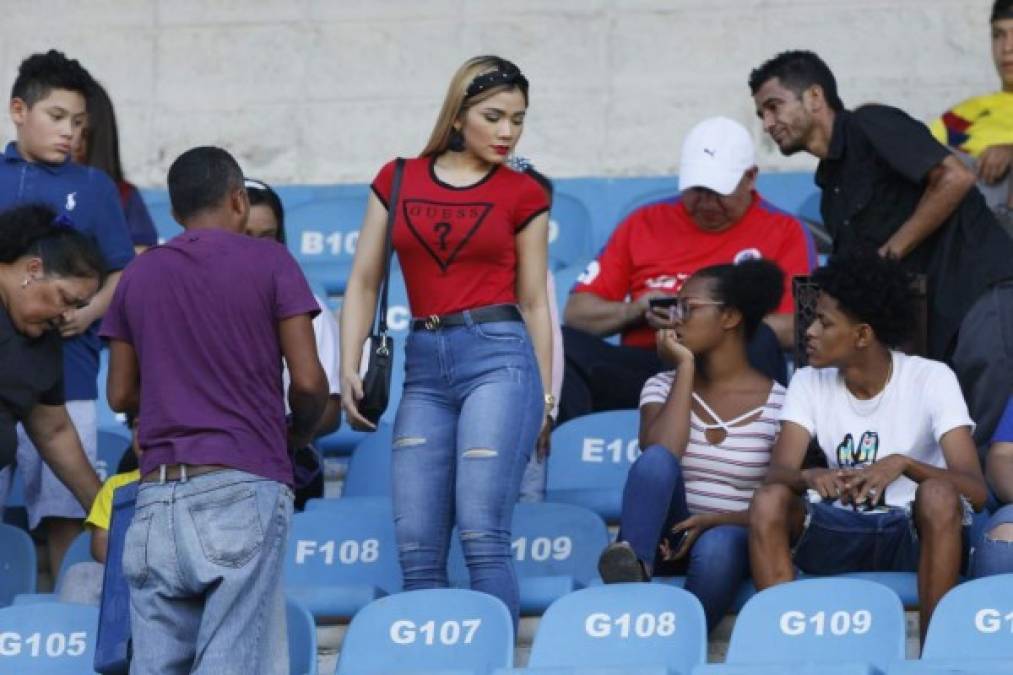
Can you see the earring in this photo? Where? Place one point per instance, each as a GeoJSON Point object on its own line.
{"type": "Point", "coordinates": [456, 141]}
{"type": "Point", "coordinates": [24, 284]}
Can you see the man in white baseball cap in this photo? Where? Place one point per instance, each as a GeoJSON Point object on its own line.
{"type": "Point", "coordinates": [717, 218]}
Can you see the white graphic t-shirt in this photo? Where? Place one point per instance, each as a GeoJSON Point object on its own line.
{"type": "Point", "coordinates": [920, 403]}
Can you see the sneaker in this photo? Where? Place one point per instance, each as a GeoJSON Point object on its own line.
{"type": "Point", "coordinates": [618, 563]}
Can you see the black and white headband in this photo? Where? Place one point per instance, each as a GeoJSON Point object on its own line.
{"type": "Point", "coordinates": [505, 75]}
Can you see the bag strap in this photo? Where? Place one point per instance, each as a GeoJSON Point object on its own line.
{"type": "Point", "coordinates": [388, 253]}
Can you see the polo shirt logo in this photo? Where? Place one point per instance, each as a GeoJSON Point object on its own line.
{"type": "Point", "coordinates": [71, 202]}
{"type": "Point", "coordinates": [444, 228]}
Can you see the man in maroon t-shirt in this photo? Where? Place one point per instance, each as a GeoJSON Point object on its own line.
{"type": "Point", "coordinates": [197, 330]}
{"type": "Point", "coordinates": [718, 219]}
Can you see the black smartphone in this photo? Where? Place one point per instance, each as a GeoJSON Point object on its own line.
{"type": "Point", "coordinates": [663, 302]}
{"type": "Point", "coordinates": [675, 539]}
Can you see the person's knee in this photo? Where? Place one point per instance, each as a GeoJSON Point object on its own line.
{"type": "Point", "coordinates": [1002, 532]}
{"type": "Point", "coordinates": [655, 463]}
{"type": "Point", "coordinates": [937, 505]}
{"type": "Point", "coordinates": [721, 543]}
{"type": "Point", "coordinates": [769, 507]}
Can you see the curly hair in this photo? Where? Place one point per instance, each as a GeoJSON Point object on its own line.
{"type": "Point", "coordinates": [753, 287]}
{"type": "Point", "coordinates": [872, 289]}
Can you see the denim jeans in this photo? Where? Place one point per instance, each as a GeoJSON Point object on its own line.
{"type": "Point", "coordinates": [203, 560]}
{"type": "Point", "coordinates": [993, 556]}
{"type": "Point", "coordinates": [654, 499]}
{"type": "Point", "coordinates": [466, 426]}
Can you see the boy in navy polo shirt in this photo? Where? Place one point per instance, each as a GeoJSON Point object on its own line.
{"type": "Point", "coordinates": [47, 106]}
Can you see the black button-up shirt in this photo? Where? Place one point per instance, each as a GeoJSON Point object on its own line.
{"type": "Point", "coordinates": [872, 179]}
{"type": "Point", "coordinates": [31, 372]}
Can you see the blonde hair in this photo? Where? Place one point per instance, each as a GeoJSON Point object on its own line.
{"type": "Point", "coordinates": [457, 102]}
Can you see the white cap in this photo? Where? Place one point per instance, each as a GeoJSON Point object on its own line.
{"type": "Point", "coordinates": [715, 154]}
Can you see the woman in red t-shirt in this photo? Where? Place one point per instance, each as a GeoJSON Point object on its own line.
{"type": "Point", "coordinates": [471, 236]}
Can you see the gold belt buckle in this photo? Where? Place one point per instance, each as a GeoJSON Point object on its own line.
{"type": "Point", "coordinates": [433, 322]}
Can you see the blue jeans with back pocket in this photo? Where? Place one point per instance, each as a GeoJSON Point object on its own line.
{"type": "Point", "coordinates": [467, 423]}
{"type": "Point", "coordinates": [203, 559]}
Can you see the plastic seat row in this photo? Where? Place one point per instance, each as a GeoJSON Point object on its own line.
{"type": "Point", "coordinates": [59, 639]}
{"type": "Point", "coordinates": [826, 626]}
{"type": "Point", "coordinates": [342, 554]}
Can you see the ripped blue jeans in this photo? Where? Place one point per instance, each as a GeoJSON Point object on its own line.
{"type": "Point", "coordinates": [467, 424]}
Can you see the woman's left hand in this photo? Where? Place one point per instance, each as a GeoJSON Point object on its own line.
{"type": "Point", "coordinates": [693, 526]}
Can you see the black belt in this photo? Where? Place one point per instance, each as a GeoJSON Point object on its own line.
{"type": "Point", "coordinates": [478, 315]}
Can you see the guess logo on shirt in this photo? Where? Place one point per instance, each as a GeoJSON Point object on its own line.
{"type": "Point", "coordinates": [444, 229]}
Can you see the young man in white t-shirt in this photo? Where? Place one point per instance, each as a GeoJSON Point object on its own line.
{"type": "Point", "coordinates": [903, 471]}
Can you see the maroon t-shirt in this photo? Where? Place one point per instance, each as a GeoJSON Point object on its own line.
{"type": "Point", "coordinates": [202, 313]}
{"type": "Point", "coordinates": [457, 245]}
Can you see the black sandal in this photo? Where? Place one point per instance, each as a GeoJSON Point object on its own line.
{"type": "Point", "coordinates": [618, 564]}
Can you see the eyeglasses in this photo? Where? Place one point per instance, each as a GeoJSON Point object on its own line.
{"type": "Point", "coordinates": [685, 306]}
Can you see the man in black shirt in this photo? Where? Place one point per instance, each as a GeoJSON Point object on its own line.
{"type": "Point", "coordinates": [888, 184]}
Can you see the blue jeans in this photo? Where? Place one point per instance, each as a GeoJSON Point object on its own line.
{"type": "Point", "coordinates": [203, 560]}
{"type": "Point", "coordinates": [471, 411]}
{"type": "Point", "coordinates": [654, 499]}
{"type": "Point", "coordinates": [993, 556]}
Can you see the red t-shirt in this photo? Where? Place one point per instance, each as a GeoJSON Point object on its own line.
{"type": "Point", "coordinates": [658, 247]}
{"type": "Point", "coordinates": [456, 244]}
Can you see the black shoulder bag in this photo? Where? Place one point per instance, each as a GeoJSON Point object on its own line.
{"type": "Point", "coordinates": [378, 350]}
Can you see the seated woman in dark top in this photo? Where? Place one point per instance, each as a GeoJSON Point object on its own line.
{"type": "Point", "coordinates": [47, 269]}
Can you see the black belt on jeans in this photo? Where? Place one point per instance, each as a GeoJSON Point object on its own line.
{"type": "Point", "coordinates": [478, 315]}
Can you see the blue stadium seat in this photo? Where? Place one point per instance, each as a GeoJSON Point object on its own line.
{"type": "Point", "coordinates": [79, 551]}
{"type": "Point", "coordinates": [832, 625]}
{"type": "Point", "coordinates": [160, 209]}
{"type": "Point", "coordinates": [18, 563]}
{"type": "Point", "coordinates": [623, 629]}
{"type": "Point", "coordinates": [971, 631]}
{"type": "Point", "coordinates": [437, 631]}
{"type": "Point", "coordinates": [59, 640]}
{"type": "Point", "coordinates": [112, 442]}
{"type": "Point", "coordinates": [569, 232]}
{"type": "Point", "coordinates": [342, 442]}
{"type": "Point", "coordinates": [369, 469]}
{"type": "Point", "coordinates": [302, 639]}
{"type": "Point", "coordinates": [590, 459]}
{"type": "Point", "coordinates": [326, 231]}
{"type": "Point", "coordinates": [564, 280]}
{"type": "Point", "coordinates": [555, 549]}
{"type": "Point", "coordinates": [341, 558]}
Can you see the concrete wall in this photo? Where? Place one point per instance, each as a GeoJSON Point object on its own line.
{"type": "Point", "coordinates": [324, 91]}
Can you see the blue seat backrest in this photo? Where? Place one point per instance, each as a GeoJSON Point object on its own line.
{"type": "Point", "coordinates": [564, 280]}
{"type": "Point", "coordinates": [569, 231]}
{"type": "Point", "coordinates": [18, 563]}
{"type": "Point", "coordinates": [53, 639]}
{"type": "Point", "coordinates": [160, 209]}
{"type": "Point", "coordinates": [826, 620]}
{"type": "Point", "coordinates": [113, 441]}
{"type": "Point", "coordinates": [973, 620]}
{"type": "Point", "coordinates": [349, 542]}
{"type": "Point", "coordinates": [622, 625]}
{"type": "Point", "coordinates": [326, 229]}
{"type": "Point", "coordinates": [302, 639]}
{"type": "Point", "coordinates": [369, 469]}
{"type": "Point", "coordinates": [79, 551]}
{"type": "Point", "coordinates": [547, 539]}
{"type": "Point", "coordinates": [593, 452]}
{"type": "Point", "coordinates": [428, 630]}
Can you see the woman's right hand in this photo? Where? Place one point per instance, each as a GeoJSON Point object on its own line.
{"type": "Point", "coordinates": [670, 350]}
{"type": "Point", "coordinates": [351, 394]}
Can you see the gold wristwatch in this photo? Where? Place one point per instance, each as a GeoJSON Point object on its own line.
{"type": "Point", "coordinates": [550, 403]}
